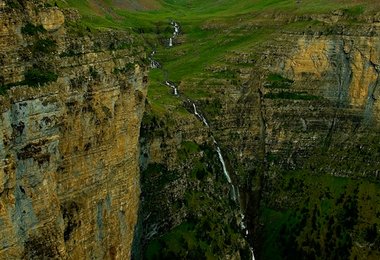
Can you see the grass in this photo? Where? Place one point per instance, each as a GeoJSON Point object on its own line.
{"type": "Point", "coordinates": [210, 29]}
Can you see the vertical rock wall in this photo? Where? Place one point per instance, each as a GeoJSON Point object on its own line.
{"type": "Point", "coordinates": [69, 175]}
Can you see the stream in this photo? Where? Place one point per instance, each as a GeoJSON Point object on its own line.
{"type": "Point", "coordinates": [153, 63]}
{"type": "Point", "coordinates": [234, 191]}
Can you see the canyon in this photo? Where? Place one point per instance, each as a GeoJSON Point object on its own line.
{"type": "Point", "coordinates": [217, 136]}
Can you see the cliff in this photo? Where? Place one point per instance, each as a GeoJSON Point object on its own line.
{"type": "Point", "coordinates": [69, 128]}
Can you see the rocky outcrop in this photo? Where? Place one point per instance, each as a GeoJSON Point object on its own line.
{"type": "Point", "coordinates": [69, 130]}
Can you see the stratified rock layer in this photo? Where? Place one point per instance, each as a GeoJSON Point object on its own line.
{"type": "Point", "coordinates": [69, 175]}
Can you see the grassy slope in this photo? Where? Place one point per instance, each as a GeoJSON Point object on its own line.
{"type": "Point", "coordinates": [201, 46]}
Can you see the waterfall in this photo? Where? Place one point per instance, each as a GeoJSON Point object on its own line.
{"type": "Point", "coordinates": [176, 31]}
{"type": "Point", "coordinates": [200, 116]}
{"type": "Point", "coordinates": [153, 63]}
{"type": "Point", "coordinates": [176, 28]}
{"type": "Point", "coordinates": [170, 84]}
{"type": "Point", "coordinates": [226, 174]}
{"type": "Point", "coordinates": [223, 165]}
{"type": "Point", "coordinates": [221, 159]}
{"type": "Point", "coordinates": [253, 255]}
{"type": "Point", "coordinates": [225, 171]}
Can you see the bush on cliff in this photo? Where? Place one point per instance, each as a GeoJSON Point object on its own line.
{"type": "Point", "coordinates": [36, 76]}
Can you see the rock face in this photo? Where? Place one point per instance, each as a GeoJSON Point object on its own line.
{"type": "Point", "coordinates": [52, 19]}
{"type": "Point", "coordinates": [69, 174]}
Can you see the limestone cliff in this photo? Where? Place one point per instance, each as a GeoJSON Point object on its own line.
{"type": "Point", "coordinates": [69, 127]}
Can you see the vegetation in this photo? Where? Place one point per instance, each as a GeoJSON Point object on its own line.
{"type": "Point", "coordinates": [209, 230]}
{"type": "Point", "coordinates": [324, 218]}
{"type": "Point", "coordinates": [277, 81]}
{"type": "Point", "coordinates": [31, 29]}
{"type": "Point", "coordinates": [44, 46]}
{"type": "Point", "coordinates": [290, 95]}
{"type": "Point", "coordinates": [35, 77]}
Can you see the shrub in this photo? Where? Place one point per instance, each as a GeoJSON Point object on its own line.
{"type": "Point", "coordinates": [45, 46]}
{"type": "Point", "coordinates": [30, 29]}
{"type": "Point", "coordinates": [278, 81]}
{"type": "Point", "coordinates": [94, 73]}
{"type": "Point", "coordinates": [35, 77]}
{"type": "Point", "coordinates": [291, 95]}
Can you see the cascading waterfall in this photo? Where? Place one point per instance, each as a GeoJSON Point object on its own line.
{"type": "Point", "coordinates": [221, 159]}
{"type": "Point", "coordinates": [218, 150]}
{"type": "Point", "coordinates": [175, 32]}
{"type": "Point", "coordinates": [225, 171]}
{"type": "Point", "coordinates": [153, 63]}
{"type": "Point", "coordinates": [200, 116]}
{"type": "Point", "coordinates": [174, 87]}
{"type": "Point", "coordinates": [176, 28]}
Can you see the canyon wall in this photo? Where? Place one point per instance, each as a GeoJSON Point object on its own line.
{"type": "Point", "coordinates": [296, 117]}
{"type": "Point", "coordinates": [69, 130]}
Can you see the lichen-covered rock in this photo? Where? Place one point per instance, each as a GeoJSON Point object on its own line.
{"type": "Point", "coordinates": [52, 19]}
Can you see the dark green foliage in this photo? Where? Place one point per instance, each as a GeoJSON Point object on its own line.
{"type": "Point", "coordinates": [212, 107]}
{"type": "Point", "coordinates": [201, 237]}
{"type": "Point", "coordinates": [291, 95]}
{"type": "Point", "coordinates": [209, 228]}
{"type": "Point", "coordinates": [31, 29]}
{"type": "Point", "coordinates": [326, 217]}
{"type": "Point", "coordinates": [127, 68]}
{"type": "Point", "coordinates": [3, 90]}
{"type": "Point", "coordinates": [278, 81]}
{"type": "Point", "coordinates": [44, 46]}
{"type": "Point", "coordinates": [94, 73]}
{"type": "Point", "coordinates": [36, 76]}
{"type": "Point", "coordinates": [13, 4]}
{"type": "Point", "coordinates": [187, 148]}
{"type": "Point", "coordinates": [156, 176]}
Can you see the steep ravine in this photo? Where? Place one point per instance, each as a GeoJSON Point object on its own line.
{"type": "Point", "coordinates": [155, 224]}
{"type": "Point", "coordinates": [69, 131]}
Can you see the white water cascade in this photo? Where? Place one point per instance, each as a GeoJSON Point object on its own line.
{"type": "Point", "coordinates": [225, 170]}
{"type": "Point", "coordinates": [221, 159]}
{"type": "Point", "coordinates": [226, 174]}
{"type": "Point", "coordinates": [174, 87]}
{"type": "Point", "coordinates": [176, 31]}
{"type": "Point", "coordinates": [176, 28]}
{"type": "Point", "coordinates": [153, 63]}
{"type": "Point", "coordinates": [200, 116]}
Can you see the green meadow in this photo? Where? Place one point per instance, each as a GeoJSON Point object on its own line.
{"type": "Point", "coordinates": [209, 31]}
